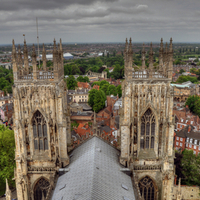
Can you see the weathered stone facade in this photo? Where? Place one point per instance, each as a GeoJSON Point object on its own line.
{"type": "Point", "coordinates": [146, 123]}
{"type": "Point", "coordinates": [41, 123]}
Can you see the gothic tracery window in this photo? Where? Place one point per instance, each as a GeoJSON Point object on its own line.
{"type": "Point", "coordinates": [41, 189]}
{"type": "Point", "coordinates": [39, 132]}
{"type": "Point", "coordinates": [147, 188]}
{"type": "Point", "coordinates": [147, 130]}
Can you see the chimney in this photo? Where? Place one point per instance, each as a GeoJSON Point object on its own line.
{"type": "Point", "coordinates": [189, 128]}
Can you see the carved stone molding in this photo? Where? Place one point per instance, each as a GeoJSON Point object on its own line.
{"type": "Point", "coordinates": [41, 169]}
{"type": "Point", "coordinates": [147, 167]}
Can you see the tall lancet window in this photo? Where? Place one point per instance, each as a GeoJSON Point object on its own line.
{"type": "Point", "coordinates": [39, 132]}
{"type": "Point", "coordinates": [147, 136]}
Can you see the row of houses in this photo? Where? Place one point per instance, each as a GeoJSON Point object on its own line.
{"type": "Point", "coordinates": [187, 130]}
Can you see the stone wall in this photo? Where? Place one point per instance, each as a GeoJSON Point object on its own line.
{"type": "Point", "coordinates": [187, 192]}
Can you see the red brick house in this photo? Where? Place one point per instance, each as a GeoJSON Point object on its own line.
{"type": "Point", "coordinates": [184, 117]}
{"type": "Point", "coordinates": [187, 138]}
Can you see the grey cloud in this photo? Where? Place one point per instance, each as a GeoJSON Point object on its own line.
{"type": "Point", "coordinates": [12, 5]}
{"type": "Point", "coordinates": [100, 20]}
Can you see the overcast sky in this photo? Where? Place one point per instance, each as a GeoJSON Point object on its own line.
{"type": "Point", "coordinates": [99, 21]}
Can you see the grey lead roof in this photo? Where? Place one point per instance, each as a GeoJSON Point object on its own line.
{"type": "Point", "coordinates": [94, 174]}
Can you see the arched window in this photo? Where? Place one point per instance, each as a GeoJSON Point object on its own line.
{"type": "Point", "coordinates": [147, 130]}
{"type": "Point", "coordinates": [41, 189]}
{"type": "Point", "coordinates": [39, 132]}
{"type": "Point", "coordinates": [147, 188]}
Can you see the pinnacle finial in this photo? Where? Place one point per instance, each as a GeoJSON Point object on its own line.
{"type": "Point", "coordinates": [8, 192]}
{"type": "Point", "coordinates": [33, 52]}
{"type": "Point", "coordinates": [170, 46]}
{"type": "Point", "coordinates": [151, 48]}
{"type": "Point", "coordinates": [166, 47]}
{"type": "Point", "coordinates": [43, 48]}
{"type": "Point", "coordinates": [130, 50]}
{"type": "Point", "coordinates": [143, 49]}
{"type": "Point", "coordinates": [13, 46]}
{"type": "Point", "coordinates": [7, 186]}
{"type": "Point", "coordinates": [60, 44]}
{"type": "Point", "coordinates": [126, 46]}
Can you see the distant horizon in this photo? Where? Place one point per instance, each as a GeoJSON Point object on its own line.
{"type": "Point", "coordinates": [48, 43]}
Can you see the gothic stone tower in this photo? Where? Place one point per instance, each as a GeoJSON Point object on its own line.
{"type": "Point", "coordinates": [146, 123]}
{"type": "Point", "coordinates": [41, 122]}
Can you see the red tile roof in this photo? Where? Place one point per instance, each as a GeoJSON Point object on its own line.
{"type": "Point", "coordinates": [96, 87]}
{"type": "Point", "coordinates": [83, 85]}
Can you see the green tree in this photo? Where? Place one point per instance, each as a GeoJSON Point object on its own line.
{"type": "Point", "coordinates": [99, 101]}
{"type": "Point", "coordinates": [193, 70]}
{"type": "Point", "coordinates": [191, 167]}
{"type": "Point", "coordinates": [7, 157]}
{"type": "Point", "coordinates": [183, 78]}
{"type": "Point", "coordinates": [112, 90]}
{"type": "Point", "coordinates": [75, 70]}
{"type": "Point", "coordinates": [74, 124]}
{"type": "Point", "coordinates": [105, 87]}
{"type": "Point", "coordinates": [181, 71]}
{"type": "Point", "coordinates": [96, 83]}
{"type": "Point", "coordinates": [86, 79]}
{"type": "Point", "coordinates": [71, 83]}
{"type": "Point", "coordinates": [92, 94]}
{"type": "Point", "coordinates": [192, 103]}
{"type": "Point", "coordinates": [80, 79]}
{"type": "Point", "coordinates": [103, 83]}
{"type": "Point", "coordinates": [119, 90]}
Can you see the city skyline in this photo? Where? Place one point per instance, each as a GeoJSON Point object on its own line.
{"type": "Point", "coordinates": [94, 21]}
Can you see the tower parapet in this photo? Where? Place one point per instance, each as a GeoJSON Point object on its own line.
{"type": "Point", "coordinates": [23, 71]}
{"type": "Point", "coordinates": [162, 72]}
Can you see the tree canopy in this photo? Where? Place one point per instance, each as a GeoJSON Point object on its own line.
{"type": "Point", "coordinates": [191, 167]}
{"type": "Point", "coordinates": [7, 157]}
{"type": "Point", "coordinates": [83, 79]}
{"type": "Point", "coordinates": [183, 78]}
{"type": "Point", "coordinates": [193, 103]}
{"type": "Point", "coordinates": [71, 83]}
{"type": "Point", "coordinates": [6, 80]}
{"type": "Point", "coordinates": [97, 99]}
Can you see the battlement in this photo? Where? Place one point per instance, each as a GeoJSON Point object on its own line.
{"type": "Point", "coordinates": [163, 71]}
{"type": "Point", "coordinates": [23, 71]}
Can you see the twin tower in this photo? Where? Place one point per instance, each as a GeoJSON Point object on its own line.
{"type": "Point", "coordinates": [41, 122]}
{"type": "Point", "coordinates": [146, 123]}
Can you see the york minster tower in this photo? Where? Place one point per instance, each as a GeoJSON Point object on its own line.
{"type": "Point", "coordinates": [41, 122]}
{"type": "Point", "coordinates": [146, 122]}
